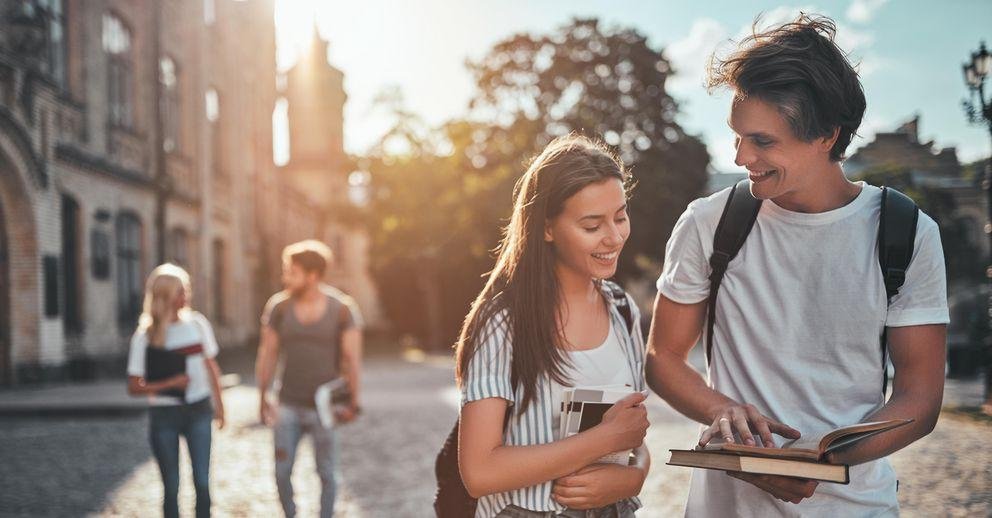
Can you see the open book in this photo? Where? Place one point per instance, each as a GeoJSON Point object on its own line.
{"type": "Point", "coordinates": [802, 457]}
{"type": "Point", "coordinates": [813, 447]}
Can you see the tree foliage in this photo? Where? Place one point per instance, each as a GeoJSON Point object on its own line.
{"type": "Point", "coordinates": [440, 201]}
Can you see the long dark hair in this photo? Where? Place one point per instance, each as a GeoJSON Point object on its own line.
{"type": "Point", "coordinates": [523, 282]}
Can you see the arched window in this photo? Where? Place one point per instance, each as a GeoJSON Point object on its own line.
{"type": "Point", "coordinates": [168, 77]}
{"type": "Point", "coordinates": [212, 107]}
{"type": "Point", "coordinates": [117, 46]}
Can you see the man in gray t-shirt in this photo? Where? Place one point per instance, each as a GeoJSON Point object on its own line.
{"type": "Point", "coordinates": [316, 330]}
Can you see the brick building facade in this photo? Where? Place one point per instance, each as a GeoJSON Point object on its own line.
{"type": "Point", "coordinates": [132, 133]}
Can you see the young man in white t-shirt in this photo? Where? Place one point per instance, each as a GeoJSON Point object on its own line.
{"type": "Point", "coordinates": [802, 306]}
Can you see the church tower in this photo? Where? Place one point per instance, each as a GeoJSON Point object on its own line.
{"type": "Point", "coordinates": [315, 93]}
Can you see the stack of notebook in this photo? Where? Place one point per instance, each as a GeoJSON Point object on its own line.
{"type": "Point", "coordinates": [583, 408]}
{"type": "Point", "coordinates": [162, 364]}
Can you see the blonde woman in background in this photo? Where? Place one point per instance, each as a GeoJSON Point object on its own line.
{"type": "Point", "coordinates": [180, 404]}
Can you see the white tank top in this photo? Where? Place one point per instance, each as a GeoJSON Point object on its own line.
{"type": "Point", "coordinates": [604, 364]}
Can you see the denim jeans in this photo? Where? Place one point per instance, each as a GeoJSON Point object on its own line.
{"type": "Point", "coordinates": [166, 424]}
{"type": "Point", "coordinates": [621, 509]}
{"type": "Point", "coordinates": [291, 423]}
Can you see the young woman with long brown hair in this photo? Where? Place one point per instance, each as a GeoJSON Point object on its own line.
{"type": "Point", "coordinates": [545, 321]}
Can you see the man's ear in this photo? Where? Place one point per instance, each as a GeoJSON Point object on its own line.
{"type": "Point", "coordinates": [827, 143]}
{"type": "Point", "coordinates": [548, 235]}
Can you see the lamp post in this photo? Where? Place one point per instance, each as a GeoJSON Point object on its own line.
{"type": "Point", "coordinates": [975, 73]}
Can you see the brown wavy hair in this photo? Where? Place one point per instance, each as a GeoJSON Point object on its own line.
{"type": "Point", "coordinates": [798, 68]}
{"type": "Point", "coordinates": [523, 283]}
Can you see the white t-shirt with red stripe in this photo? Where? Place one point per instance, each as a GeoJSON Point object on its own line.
{"type": "Point", "coordinates": [190, 330]}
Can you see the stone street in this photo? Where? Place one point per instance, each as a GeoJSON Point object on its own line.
{"type": "Point", "coordinates": [102, 466]}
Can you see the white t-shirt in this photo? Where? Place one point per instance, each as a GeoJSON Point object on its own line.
{"type": "Point", "coordinates": [605, 364]}
{"type": "Point", "coordinates": [192, 328]}
{"type": "Point", "coordinates": [799, 316]}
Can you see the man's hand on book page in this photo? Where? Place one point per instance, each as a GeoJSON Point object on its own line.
{"type": "Point", "coordinates": [746, 421]}
{"type": "Point", "coordinates": [598, 485]}
{"type": "Point", "coordinates": [786, 489]}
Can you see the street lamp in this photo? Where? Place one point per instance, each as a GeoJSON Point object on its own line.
{"type": "Point", "coordinates": [975, 73]}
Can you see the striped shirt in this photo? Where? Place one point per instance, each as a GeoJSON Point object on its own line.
{"type": "Point", "coordinates": [488, 376]}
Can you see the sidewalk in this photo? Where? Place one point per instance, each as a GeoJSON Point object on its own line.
{"type": "Point", "coordinates": [101, 397]}
{"type": "Point", "coordinates": [110, 397]}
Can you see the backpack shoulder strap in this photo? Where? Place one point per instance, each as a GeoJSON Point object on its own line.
{"type": "Point", "coordinates": [896, 238]}
{"type": "Point", "coordinates": [619, 297]}
{"type": "Point", "coordinates": [735, 224]}
{"type": "Point", "coordinates": [897, 219]}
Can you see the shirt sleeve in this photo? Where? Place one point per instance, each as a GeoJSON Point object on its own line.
{"type": "Point", "coordinates": [685, 277]}
{"type": "Point", "coordinates": [923, 297]}
{"type": "Point", "coordinates": [272, 313]}
{"type": "Point", "coordinates": [136, 354]}
{"type": "Point", "coordinates": [488, 372]}
{"type": "Point", "coordinates": [637, 337]}
{"type": "Point", "coordinates": [351, 316]}
{"type": "Point", "coordinates": [210, 346]}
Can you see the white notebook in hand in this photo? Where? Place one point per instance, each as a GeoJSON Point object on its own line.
{"type": "Point", "coordinates": [324, 401]}
{"type": "Point", "coordinates": [584, 407]}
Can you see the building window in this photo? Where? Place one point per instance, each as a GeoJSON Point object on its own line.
{"type": "Point", "coordinates": [209, 12]}
{"type": "Point", "coordinates": [168, 78]}
{"type": "Point", "coordinates": [50, 269]}
{"type": "Point", "coordinates": [72, 317]}
{"type": "Point", "coordinates": [128, 270]}
{"type": "Point", "coordinates": [220, 260]}
{"type": "Point", "coordinates": [212, 107]}
{"type": "Point", "coordinates": [117, 47]}
{"type": "Point", "coordinates": [54, 18]}
{"type": "Point", "coordinates": [179, 247]}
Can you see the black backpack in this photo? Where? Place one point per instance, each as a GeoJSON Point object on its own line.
{"type": "Point", "coordinates": [896, 238]}
{"type": "Point", "coordinates": [452, 499]}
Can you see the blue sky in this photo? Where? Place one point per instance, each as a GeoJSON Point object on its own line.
{"type": "Point", "coordinates": [910, 53]}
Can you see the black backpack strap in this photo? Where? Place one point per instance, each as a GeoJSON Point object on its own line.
{"type": "Point", "coordinates": [897, 221]}
{"type": "Point", "coordinates": [620, 301]}
{"type": "Point", "coordinates": [735, 224]}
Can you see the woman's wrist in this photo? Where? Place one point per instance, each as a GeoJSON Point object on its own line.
{"type": "Point", "coordinates": [602, 440]}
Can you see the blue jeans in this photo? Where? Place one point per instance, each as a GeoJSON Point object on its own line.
{"type": "Point", "coordinates": [291, 423]}
{"type": "Point", "coordinates": [166, 424]}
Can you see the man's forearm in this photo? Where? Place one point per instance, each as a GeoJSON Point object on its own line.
{"type": "Point", "coordinates": [682, 387]}
{"type": "Point", "coordinates": [264, 365]}
{"type": "Point", "coordinates": [352, 377]}
{"type": "Point", "coordinates": [924, 412]}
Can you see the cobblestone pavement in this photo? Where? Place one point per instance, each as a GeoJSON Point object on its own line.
{"type": "Point", "coordinates": [102, 466]}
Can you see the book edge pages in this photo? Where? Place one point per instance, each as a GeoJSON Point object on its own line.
{"type": "Point", "coordinates": [760, 451]}
{"type": "Point", "coordinates": [827, 443]}
{"type": "Point", "coordinates": [742, 465]}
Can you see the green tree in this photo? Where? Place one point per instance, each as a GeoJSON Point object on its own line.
{"type": "Point", "coordinates": [606, 83]}
{"type": "Point", "coordinates": [441, 196]}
